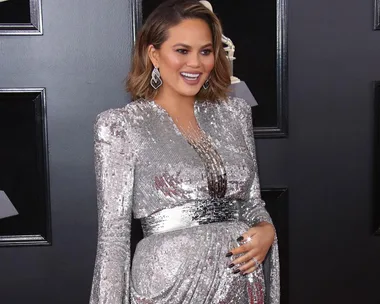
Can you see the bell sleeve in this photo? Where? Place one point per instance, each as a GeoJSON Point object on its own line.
{"type": "Point", "coordinates": [253, 209]}
{"type": "Point", "coordinates": [114, 171]}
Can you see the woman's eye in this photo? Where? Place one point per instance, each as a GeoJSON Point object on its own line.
{"type": "Point", "coordinates": [206, 52]}
{"type": "Point", "coordinates": [182, 51]}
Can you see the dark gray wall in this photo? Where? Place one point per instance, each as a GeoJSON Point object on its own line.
{"type": "Point", "coordinates": [82, 60]}
{"type": "Point", "coordinates": [333, 58]}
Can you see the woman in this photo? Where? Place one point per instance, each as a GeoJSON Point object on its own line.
{"type": "Point", "coordinates": [182, 157]}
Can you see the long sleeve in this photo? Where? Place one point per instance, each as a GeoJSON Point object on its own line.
{"type": "Point", "coordinates": [253, 211]}
{"type": "Point", "coordinates": [114, 171]}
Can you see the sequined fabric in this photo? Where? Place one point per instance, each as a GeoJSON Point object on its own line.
{"type": "Point", "coordinates": [145, 165]}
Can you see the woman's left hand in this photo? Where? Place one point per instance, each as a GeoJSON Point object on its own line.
{"type": "Point", "coordinates": [262, 237]}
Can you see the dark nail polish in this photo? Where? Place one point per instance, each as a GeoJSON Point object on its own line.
{"type": "Point", "coordinates": [236, 271]}
{"type": "Point", "coordinates": [240, 238]}
{"type": "Point", "coordinates": [231, 265]}
{"type": "Point", "coordinates": [229, 254]}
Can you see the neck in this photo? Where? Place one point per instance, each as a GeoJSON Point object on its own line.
{"type": "Point", "coordinates": [174, 102]}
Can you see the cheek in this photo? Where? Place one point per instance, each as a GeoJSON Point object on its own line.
{"type": "Point", "coordinates": [173, 63]}
{"type": "Point", "coordinates": [209, 64]}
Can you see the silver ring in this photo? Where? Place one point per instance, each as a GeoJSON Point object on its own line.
{"type": "Point", "coordinates": [257, 263]}
{"type": "Point", "coordinates": [248, 239]}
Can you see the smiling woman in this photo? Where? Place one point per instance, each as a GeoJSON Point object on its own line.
{"type": "Point", "coordinates": [187, 65]}
{"type": "Point", "coordinates": [258, 30]}
{"type": "Point", "coordinates": [163, 24]}
{"type": "Point", "coordinates": [182, 157]}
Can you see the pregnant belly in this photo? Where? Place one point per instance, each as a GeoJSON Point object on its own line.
{"type": "Point", "coordinates": [163, 262]}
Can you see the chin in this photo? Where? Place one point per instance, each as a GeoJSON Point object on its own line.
{"type": "Point", "coordinates": [189, 92]}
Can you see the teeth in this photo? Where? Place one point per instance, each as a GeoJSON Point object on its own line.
{"type": "Point", "coordinates": [190, 75]}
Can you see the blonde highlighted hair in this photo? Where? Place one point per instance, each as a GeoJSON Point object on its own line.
{"type": "Point", "coordinates": [155, 32]}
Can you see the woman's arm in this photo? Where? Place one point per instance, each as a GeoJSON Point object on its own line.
{"type": "Point", "coordinates": [263, 236]}
{"type": "Point", "coordinates": [114, 180]}
{"type": "Point", "coordinates": [253, 210]}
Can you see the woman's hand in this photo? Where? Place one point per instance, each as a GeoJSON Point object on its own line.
{"type": "Point", "coordinates": [262, 237]}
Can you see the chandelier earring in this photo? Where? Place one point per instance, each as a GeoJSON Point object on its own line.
{"type": "Point", "coordinates": [156, 80]}
{"type": "Point", "coordinates": [206, 85]}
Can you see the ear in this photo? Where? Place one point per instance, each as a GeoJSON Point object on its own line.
{"type": "Point", "coordinates": [154, 56]}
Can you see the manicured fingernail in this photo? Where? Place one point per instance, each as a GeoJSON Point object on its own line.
{"type": "Point", "coordinates": [231, 265]}
{"type": "Point", "coordinates": [244, 274]}
{"type": "Point", "coordinates": [229, 254]}
{"type": "Point", "coordinates": [236, 271]}
{"type": "Point", "coordinates": [240, 238]}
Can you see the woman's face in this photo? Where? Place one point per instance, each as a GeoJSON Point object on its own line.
{"type": "Point", "coordinates": [186, 58]}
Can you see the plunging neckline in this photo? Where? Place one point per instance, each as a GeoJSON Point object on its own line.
{"type": "Point", "coordinates": [206, 151]}
{"type": "Point", "coordinates": [174, 125]}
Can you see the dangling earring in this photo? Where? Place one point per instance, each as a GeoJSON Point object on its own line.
{"type": "Point", "coordinates": [206, 84]}
{"type": "Point", "coordinates": [156, 80]}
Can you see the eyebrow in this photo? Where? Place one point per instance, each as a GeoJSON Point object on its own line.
{"type": "Point", "coordinates": [189, 47]}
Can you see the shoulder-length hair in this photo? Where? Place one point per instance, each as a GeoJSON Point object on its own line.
{"type": "Point", "coordinates": [155, 32]}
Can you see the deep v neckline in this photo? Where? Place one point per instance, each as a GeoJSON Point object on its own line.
{"type": "Point", "coordinates": [196, 111]}
{"type": "Point", "coordinates": [207, 153]}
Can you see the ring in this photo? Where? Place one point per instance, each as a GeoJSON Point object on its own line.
{"type": "Point", "coordinates": [257, 263]}
{"type": "Point", "coordinates": [248, 239]}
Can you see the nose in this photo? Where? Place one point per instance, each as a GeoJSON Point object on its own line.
{"type": "Point", "coordinates": [193, 60]}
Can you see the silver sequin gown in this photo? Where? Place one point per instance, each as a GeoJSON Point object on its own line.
{"type": "Point", "coordinates": [145, 165]}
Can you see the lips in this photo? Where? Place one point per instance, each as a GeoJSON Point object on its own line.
{"type": "Point", "coordinates": [191, 78]}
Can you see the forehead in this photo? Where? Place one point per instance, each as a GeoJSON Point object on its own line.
{"type": "Point", "coordinates": [190, 31]}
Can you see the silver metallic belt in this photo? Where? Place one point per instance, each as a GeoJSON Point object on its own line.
{"type": "Point", "coordinates": [191, 214]}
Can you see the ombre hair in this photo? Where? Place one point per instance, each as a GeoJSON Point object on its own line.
{"type": "Point", "coordinates": [155, 32]}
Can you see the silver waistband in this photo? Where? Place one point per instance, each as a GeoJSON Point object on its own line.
{"type": "Point", "coordinates": [191, 214]}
